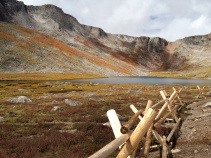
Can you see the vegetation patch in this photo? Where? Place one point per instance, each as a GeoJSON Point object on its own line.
{"type": "Point", "coordinates": [29, 129]}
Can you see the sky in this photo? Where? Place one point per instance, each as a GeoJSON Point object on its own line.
{"type": "Point", "coordinates": [169, 19]}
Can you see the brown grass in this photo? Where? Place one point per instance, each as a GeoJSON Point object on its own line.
{"type": "Point", "coordinates": [24, 132]}
{"type": "Point", "coordinates": [45, 76]}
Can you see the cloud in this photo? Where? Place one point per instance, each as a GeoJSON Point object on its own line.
{"type": "Point", "coordinates": [169, 19]}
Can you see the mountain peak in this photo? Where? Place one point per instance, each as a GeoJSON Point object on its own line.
{"type": "Point", "coordinates": [103, 53]}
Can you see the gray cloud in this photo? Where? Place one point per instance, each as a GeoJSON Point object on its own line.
{"type": "Point", "coordinates": [169, 19]}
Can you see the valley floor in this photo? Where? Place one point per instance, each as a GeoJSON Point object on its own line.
{"type": "Point", "coordinates": [34, 128]}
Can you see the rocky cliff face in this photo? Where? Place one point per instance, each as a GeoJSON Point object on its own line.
{"type": "Point", "coordinates": [141, 53]}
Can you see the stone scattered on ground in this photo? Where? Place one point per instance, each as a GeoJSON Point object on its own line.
{"type": "Point", "coordinates": [21, 99]}
{"type": "Point", "coordinates": [72, 131]}
{"type": "Point", "coordinates": [97, 99]}
{"type": "Point", "coordinates": [56, 108]}
{"type": "Point", "coordinates": [91, 95]}
{"type": "Point", "coordinates": [134, 91]}
{"type": "Point", "coordinates": [21, 90]}
{"type": "Point", "coordinates": [72, 103]}
{"type": "Point", "coordinates": [1, 118]}
{"type": "Point", "coordinates": [55, 102]}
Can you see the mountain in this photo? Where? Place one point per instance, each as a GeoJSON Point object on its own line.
{"type": "Point", "coordinates": [45, 39]}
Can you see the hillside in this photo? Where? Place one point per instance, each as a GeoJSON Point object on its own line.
{"type": "Point", "coordinates": [60, 43]}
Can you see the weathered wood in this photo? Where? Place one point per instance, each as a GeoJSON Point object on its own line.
{"type": "Point", "coordinates": [165, 105]}
{"type": "Point", "coordinates": [149, 105]}
{"type": "Point", "coordinates": [164, 148]}
{"type": "Point", "coordinates": [148, 140]}
{"type": "Point", "coordinates": [159, 103]}
{"type": "Point", "coordinates": [173, 130]}
{"type": "Point", "coordinates": [126, 127]}
{"type": "Point", "coordinates": [200, 91]}
{"type": "Point", "coordinates": [138, 134]}
{"type": "Point", "coordinates": [156, 135]}
{"type": "Point", "coordinates": [169, 107]}
{"type": "Point", "coordinates": [178, 95]}
{"type": "Point", "coordinates": [111, 147]}
{"type": "Point", "coordinates": [133, 108]}
{"type": "Point", "coordinates": [149, 132]}
{"type": "Point", "coordinates": [115, 123]}
{"type": "Point", "coordinates": [160, 120]}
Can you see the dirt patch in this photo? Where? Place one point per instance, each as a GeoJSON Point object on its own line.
{"type": "Point", "coordinates": [195, 132]}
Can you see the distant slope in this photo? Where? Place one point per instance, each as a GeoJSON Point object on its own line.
{"type": "Point", "coordinates": [67, 45]}
{"type": "Point", "coordinates": [25, 50]}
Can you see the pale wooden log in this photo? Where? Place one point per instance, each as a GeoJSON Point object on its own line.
{"type": "Point", "coordinates": [173, 130]}
{"type": "Point", "coordinates": [166, 94]}
{"type": "Point", "coordinates": [163, 94]}
{"type": "Point", "coordinates": [165, 105]}
{"type": "Point", "coordinates": [160, 120]}
{"type": "Point", "coordinates": [149, 132]}
{"type": "Point", "coordinates": [159, 103]}
{"type": "Point", "coordinates": [149, 105]}
{"type": "Point", "coordinates": [200, 91]}
{"type": "Point", "coordinates": [133, 108]}
{"type": "Point", "coordinates": [164, 148]}
{"type": "Point", "coordinates": [126, 127]}
{"type": "Point", "coordinates": [169, 106]}
{"type": "Point", "coordinates": [178, 92]}
{"type": "Point", "coordinates": [156, 135]}
{"type": "Point", "coordinates": [111, 147]}
{"type": "Point", "coordinates": [148, 140]}
{"type": "Point", "coordinates": [178, 95]}
{"type": "Point", "coordinates": [138, 134]}
{"type": "Point", "coordinates": [115, 123]}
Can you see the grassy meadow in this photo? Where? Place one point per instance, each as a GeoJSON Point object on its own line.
{"type": "Point", "coordinates": [34, 130]}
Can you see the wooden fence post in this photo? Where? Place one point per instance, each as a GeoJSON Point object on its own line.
{"type": "Point", "coordinates": [126, 127]}
{"type": "Point", "coordinates": [138, 134]}
{"type": "Point", "coordinates": [111, 147]}
{"type": "Point", "coordinates": [169, 106]}
{"type": "Point", "coordinates": [164, 148]}
{"type": "Point", "coordinates": [165, 105]}
{"type": "Point", "coordinates": [115, 123]}
{"type": "Point", "coordinates": [200, 91]}
{"type": "Point", "coordinates": [133, 108]}
{"type": "Point", "coordinates": [173, 130]}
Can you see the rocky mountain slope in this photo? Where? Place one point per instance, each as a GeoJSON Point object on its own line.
{"type": "Point", "coordinates": [63, 44]}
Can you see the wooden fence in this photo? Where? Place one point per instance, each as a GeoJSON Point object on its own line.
{"type": "Point", "coordinates": [151, 118]}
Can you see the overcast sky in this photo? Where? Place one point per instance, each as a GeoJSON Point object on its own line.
{"type": "Point", "coordinates": [169, 19]}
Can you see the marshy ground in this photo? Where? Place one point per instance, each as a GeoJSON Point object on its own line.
{"type": "Point", "coordinates": [34, 130]}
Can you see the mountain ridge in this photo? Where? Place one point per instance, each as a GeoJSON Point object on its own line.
{"type": "Point", "coordinates": [140, 54]}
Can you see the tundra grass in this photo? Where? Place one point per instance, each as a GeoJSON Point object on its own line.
{"type": "Point", "coordinates": [45, 76]}
{"type": "Point", "coordinates": [198, 73]}
{"type": "Point", "coordinates": [30, 129]}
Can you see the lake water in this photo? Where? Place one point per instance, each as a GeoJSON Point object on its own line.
{"type": "Point", "coordinates": [131, 80]}
{"type": "Point", "coordinates": [144, 80]}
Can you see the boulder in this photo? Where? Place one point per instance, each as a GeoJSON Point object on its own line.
{"type": "Point", "coordinates": [56, 108]}
{"type": "Point", "coordinates": [21, 99]}
{"type": "Point", "coordinates": [72, 103]}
